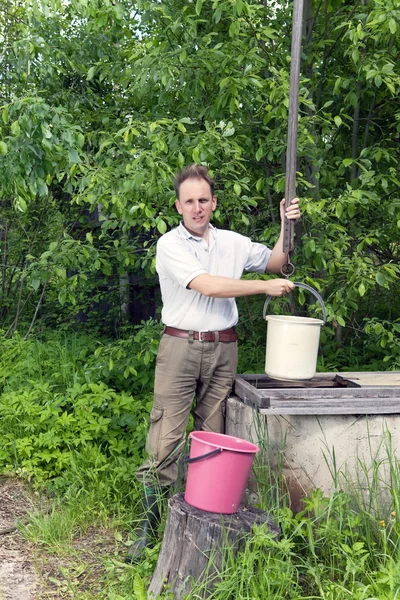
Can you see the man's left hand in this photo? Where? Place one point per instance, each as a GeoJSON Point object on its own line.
{"type": "Point", "coordinates": [293, 212]}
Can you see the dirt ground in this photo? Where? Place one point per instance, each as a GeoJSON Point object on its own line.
{"type": "Point", "coordinates": [18, 580]}
{"type": "Point", "coordinates": [31, 573]}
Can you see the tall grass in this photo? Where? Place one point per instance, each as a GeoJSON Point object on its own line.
{"type": "Point", "coordinates": [343, 546]}
{"type": "Point", "coordinates": [338, 547]}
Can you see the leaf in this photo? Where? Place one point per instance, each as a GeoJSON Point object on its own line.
{"type": "Point", "coordinates": [35, 284]}
{"type": "Point", "coordinates": [378, 80]}
{"type": "Point", "coordinates": [392, 26]}
{"type": "Point", "coordinates": [390, 86]}
{"type": "Point", "coordinates": [46, 132]}
{"type": "Point", "coordinates": [15, 128]}
{"type": "Point", "coordinates": [351, 210]}
{"type": "Point", "coordinates": [139, 588]}
{"type": "Point", "coordinates": [91, 73]}
{"type": "Point", "coordinates": [196, 155]}
{"type": "Point", "coordinates": [199, 6]}
{"type": "Point", "coordinates": [80, 138]}
{"type": "Point", "coordinates": [4, 115]}
{"type": "Point", "coordinates": [62, 297]}
{"type": "Point", "coordinates": [248, 69]}
{"type": "Point", "coordinates": [228, 132]}
{"type": "Point", "coordinates": [380, 279]}
{"type": "Point", "coordinates": [21, 204]}
{"type": "Point", "coordinates": [237, 189]}
{"type": "Point", "coordinates": [338, 121]}
{"type": "Point", "coordinates": [338, 209]}
{"type": "Point", "coordinates": [162, 226]}
{"type": "Point", "coordinates": [3, 148]}
{"type": "Point", "coordinates": [259, 153]}
{"type": "Point", "coordinates": [361, 289]}
{"type": "Point", "coordinates": [182, 56]}
{"type": "Point", "coordinates": [73, 156]}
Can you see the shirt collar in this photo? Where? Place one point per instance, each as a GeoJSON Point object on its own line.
{"type": "Point", "coordinates": [186, 234]}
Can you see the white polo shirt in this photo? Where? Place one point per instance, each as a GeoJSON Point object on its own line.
{"type": "Point", "coordinates": [182, 256]}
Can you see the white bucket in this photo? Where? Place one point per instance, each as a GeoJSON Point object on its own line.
{"type": "Point", "coordinates": [292, 344]}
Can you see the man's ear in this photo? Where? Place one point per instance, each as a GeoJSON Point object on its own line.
{"type": "Point", "coordinates": [214, 200]}
{"type": "Point", "coordinates": [178, 206]}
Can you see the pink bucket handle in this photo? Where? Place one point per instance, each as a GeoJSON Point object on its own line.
{"type": "Point", "coordinates": [196, 458]}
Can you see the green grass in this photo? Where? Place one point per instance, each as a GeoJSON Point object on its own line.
{"type": "Point", "coordinates": [338, 547]}
{"type": "Point", "coordinates": [342, 546]}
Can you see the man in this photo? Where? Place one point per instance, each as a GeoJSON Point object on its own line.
{"type": "Point", "coordinates": [199, 268]}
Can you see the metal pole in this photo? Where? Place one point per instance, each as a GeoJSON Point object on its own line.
{"type": "Point", "coordinates": [291, 153]}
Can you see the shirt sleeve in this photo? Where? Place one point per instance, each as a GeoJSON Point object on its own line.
{"type": "Point", "coordinates": [258, 258]}
{"type": "Point", "coordinates": [175, 261]}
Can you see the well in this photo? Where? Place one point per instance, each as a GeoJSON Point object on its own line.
{"type": "Point", "coordinates": [341, 423]}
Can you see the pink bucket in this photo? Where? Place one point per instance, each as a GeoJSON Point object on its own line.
{"type": "Point", "coordinates": [219, 466]}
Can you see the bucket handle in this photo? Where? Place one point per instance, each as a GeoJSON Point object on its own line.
{"type": "Point", "coordinates": [309, 289]}
{"type": "Point", "coordinates": [196, 458]}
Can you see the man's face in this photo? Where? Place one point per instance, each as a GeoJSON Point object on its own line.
{"type": "Point", "coordinates": [196, 205]}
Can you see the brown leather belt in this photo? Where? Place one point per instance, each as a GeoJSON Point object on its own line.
{"type": "Point", "coordinates": [227, 335]}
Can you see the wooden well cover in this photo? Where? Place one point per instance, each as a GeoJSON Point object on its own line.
{"type": "Point", "coordinates": [327, 393]}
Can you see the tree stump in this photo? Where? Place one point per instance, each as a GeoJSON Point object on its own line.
{"type": "Point", "coordinates": [192, 537]}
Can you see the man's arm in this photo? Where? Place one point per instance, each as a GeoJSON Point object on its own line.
{"type": "Point", "coordinates": [215, 286]}
{"type": "Point", "coordinates": [225, 287]}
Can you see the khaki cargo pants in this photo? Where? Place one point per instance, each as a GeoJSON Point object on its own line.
{"type": "Point", "coordinates": [185, 370]}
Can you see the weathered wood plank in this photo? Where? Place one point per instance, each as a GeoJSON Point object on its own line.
{"type": "Point", "coordinates": [347, 379]}
{"type": "Point", "coordinates": [359, 406]}
{"type": "Point", "coordinates": [374, 379]}
{"type": "Point", "coordinates": [348, 410]}
{"type": "Point", "coordinates": [192, 537]}
{"type": "Point", "coordinates": [353, 399]}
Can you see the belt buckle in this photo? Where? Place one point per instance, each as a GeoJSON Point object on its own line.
{"type": "Point", "coordinates": [201, 333]}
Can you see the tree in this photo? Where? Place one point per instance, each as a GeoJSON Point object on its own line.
{"type": "Point", "coordinates": [153, 86]}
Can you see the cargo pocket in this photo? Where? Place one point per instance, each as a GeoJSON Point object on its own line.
{"type": "Point", "coordinates": [163, 353]}
{"type": "Point", "coordinates": [154, 437]}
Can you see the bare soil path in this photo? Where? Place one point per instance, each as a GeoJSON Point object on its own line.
{"type": "Point", "coordinates": [29, 572]}
{"type": "Point", "coordinates": [18, 580]}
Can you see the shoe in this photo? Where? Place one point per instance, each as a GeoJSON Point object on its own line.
{"type": "Point", "coordinates": [147, 528]}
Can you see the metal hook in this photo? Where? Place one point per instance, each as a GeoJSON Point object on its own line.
{"type": "Point", "coordinates": [287, 269]}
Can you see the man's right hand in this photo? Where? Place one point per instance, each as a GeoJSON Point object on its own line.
{"type": "Point", "coordinates": [278, 287]}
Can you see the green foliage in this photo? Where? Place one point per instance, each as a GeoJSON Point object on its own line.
{"type": "Point", "coordinates": [103, 103]}
{"type": "Point", "coordinates": [326, 551]}
{"type": "Point", "coordinates": [59, 399]}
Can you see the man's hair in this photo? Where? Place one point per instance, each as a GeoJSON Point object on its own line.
{"type": "Point", "coordinates": [193, 172]}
